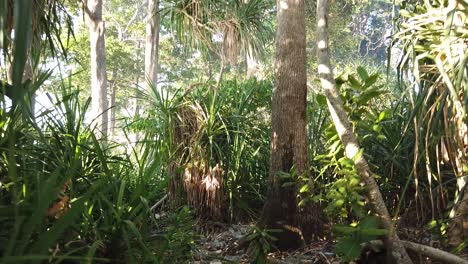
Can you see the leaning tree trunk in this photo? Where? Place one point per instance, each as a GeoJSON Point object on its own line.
{"type": "Point", "coordinates": [152, 42]}
{"type": "Point", "coordinates": [346, 134]}
{"type": "Point", "coordinates": [99, 101]}
{"type": "Point", "coordinates": [288, 121]}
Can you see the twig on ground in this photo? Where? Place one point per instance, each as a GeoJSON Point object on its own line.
{"type": "Point", "coordinates": [158, 203]}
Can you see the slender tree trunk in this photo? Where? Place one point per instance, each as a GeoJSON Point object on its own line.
{"type": "Point", "coordinates": [99, 101]}
{"type": "Point", "coordinates": [112, 106]}
{"type": "Point", "coordinates": [346, 134]}
{"type": "Point", "coordinates": [152, 42]}
{"type": "Point", "coordinates": [137, 101]}
{"type": "Point", "coordinates": [288, 138]}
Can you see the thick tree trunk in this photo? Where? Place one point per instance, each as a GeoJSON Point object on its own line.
{"type": "Point", "coordinates": [288, 138]}
{"type": "Point", "coordinates": [99, 102]}
{"type": "Point", "coordinates": [152, 42]}
{"type": "Point", "coordinates": [346, 134]}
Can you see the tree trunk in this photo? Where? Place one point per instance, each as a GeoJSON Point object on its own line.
{"type": "Point", "coordinates": [346, 134]}
{"type": "Point", "coordinates": [152, 42]}
{"type": "Point", "coordinates": [112, 109]}
{"type": "Point", "coordinates": [136, 135]}
{"type": "Point", "coordinates": [99, 102]}
{"type": "Point", "coordinates": [288, 120]}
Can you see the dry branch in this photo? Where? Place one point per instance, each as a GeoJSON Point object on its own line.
{"type": "Point", "coordinates": [433, 253]}
{"type": "Point", "coordinates": [159, 202]}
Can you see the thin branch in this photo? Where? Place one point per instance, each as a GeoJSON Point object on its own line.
{"type": "Point", "coordinates": [134, 17]}
{"type": "Point", "coordinates": [159, 202]}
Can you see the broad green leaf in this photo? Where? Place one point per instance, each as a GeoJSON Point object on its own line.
{"type": "Point", "coordinates": [354, 83]}
{"type": "Point", "coordinates": [371, 80]}
{"type": "Point", "coordinates": [362, 73]}
{"type": "Point", "coordinates": [348, 248]}
{"type": "Point", "coordinates": [373, 232]}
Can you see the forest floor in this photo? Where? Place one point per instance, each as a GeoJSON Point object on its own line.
{"type": "Point", "coordinates": [222, 246]}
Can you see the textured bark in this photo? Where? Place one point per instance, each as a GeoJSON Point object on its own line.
{"type": "Point", "coordinates": [99, 102]}
{"type": "Point", "coordinates": [288, 121]}
{"type": "Point", "coordinates": [346, 134]}
{"type": "Point", "coordinates": [152, 42]}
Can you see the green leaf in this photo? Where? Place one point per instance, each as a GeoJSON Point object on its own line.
{"type": "Point", "coordinates": [354, 83]}
{"type": "Point", "coordinates": [321, 100]}
{"type": "Point", "coordinates": [304, 188]}
{"type": "Point", "coordinates": [377, 128]}
{"type": "Point", "coordinates": [371, 80]}
{"type": "Point", "coordinates": [369, 95]}
{"type": "Point", "coordinates": [383, 114]}
{"type": "Point", "coordinates": [373, 233]}
{"type": "Point", "coordinates": [284, 175]}
{"type": "Point", "coordinates": [362, 73]}
{"type": "Point", "coordinates": [339, 203]}
{"type": "Point", "coordinates": [348, 248]}
{"type": "Point", "coordinates": [370, 222]}
{"type": "Point", "coordinates": [120, 196]}
{"type": "Point", "coordinates": [344, 229]}
{"type": "Point", "coordinates": [22, 24]}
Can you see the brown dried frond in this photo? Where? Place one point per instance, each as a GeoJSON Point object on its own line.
{"type": "Point", "coordinates": [202, 184]}
{"type": "Point", "coordinates": [231, 40]}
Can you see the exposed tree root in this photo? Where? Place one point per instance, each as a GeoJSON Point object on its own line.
{"type": "Point", "coordinates": [431, 252]}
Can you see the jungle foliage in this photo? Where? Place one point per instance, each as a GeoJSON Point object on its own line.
{"type": "Point", "coordinates": [201, 134]}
